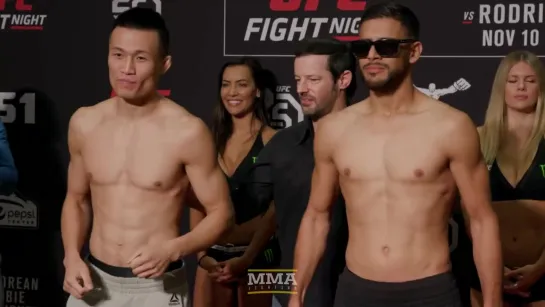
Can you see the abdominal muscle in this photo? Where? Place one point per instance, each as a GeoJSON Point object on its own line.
{"type": "Point", "coordinates": [126, 218]}
{"type": "Point", "coordinates": [397, 234]}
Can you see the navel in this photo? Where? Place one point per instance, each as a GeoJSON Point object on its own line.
{"type": "Point", "coordinates": [157, 184]}
{"type": "Point", "coordinates": [346, 172]}
{"type": "Point", "coordinates": [418, 173]}
{"type": "Point", "coordinates": [385, 250]}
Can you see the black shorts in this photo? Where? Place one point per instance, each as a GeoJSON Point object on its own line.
{"type": "Point", "coordinates": [434, 291]}
{"type": "Point", "coordinates": [537, 291]}
{"type": "Point", "coordinates": [268, 258]}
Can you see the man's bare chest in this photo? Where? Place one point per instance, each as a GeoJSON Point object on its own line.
{"type": "Point", "coordinates": [145, 159]}
{"type": "Point", "coordinates": [410, 154]}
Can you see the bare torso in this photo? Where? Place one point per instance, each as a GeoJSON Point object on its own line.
{"type": "Point", "coordinates": [136, 177]}
{"type": "Point", "coordinates": [522, 222]}
{"type": "Point", "coordinates": [399, 192]}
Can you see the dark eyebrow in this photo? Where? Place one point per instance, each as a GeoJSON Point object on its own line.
{"type": "Point", "coordinates": [135, 52]}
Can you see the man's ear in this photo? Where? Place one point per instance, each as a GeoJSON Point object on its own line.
{"type": "Point", "coordinates": [345, 79]}
{"type": "Point", "coordinates": [167, 62]}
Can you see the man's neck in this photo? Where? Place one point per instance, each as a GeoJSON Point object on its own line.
{"type": "Point", "coordinates": [247, 124]}
{"type": "Point", "coordinates": [339, 104]}
{"type": "Point", "coordinates": [519, 125]}
{"type": "Point", "coordinates": [132, 110]}
{"type": "Point", "coordinates": [396, 101]}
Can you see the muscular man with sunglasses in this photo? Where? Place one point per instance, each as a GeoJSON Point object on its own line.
{"type": "Point", "coordinates": [400, 157]}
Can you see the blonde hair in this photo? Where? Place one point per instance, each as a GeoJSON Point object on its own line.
{"type": "Point", "coordinates": [495, 119]}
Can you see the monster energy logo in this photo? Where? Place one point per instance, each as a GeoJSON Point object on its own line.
{"type": "Point", "coordinates": [269, 256]}
{"type": "Point", "coordinates": [254, 159]}
{"type": "Point", "coordinates": [542, 166]}
{"type": "Point", "coordinates": [271, 282]}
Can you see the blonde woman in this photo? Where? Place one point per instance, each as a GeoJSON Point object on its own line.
{"type": "Point", "coordinates": [513, 145]}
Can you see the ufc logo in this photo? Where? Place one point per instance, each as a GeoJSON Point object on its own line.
{"type": "Point", "coordinates": [165, 93]}
{"type": "Point", "coordinates": [312, 5]}
{"type": "Point", "coordinates": [20, 5]}
{"type": "Point", "coordinates": [120, 6]}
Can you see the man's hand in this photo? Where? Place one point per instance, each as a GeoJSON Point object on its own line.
{"type": "Point", "coordinates": [77, 279]}
{"type": "Point", "coordinates": [151, 261]}
{"type": "Point", "coordinates": [524, 277]}
{"type": "Point", "coordinates": [211, 266]}
{"type": "Point", "coordinates": [233, 268]}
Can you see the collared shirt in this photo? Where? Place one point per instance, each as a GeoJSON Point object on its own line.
{"type": "Point", "coordinates": [286, 165]}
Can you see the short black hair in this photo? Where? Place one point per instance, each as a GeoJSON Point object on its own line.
{"type": "Point", "coordinates": [145, 19]}
{"type": "Point", "coordinates": [340, 58]}
{"type": "Point", "coordinates": [394, 11]}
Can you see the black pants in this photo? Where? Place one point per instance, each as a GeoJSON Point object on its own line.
{"type": "Point", "coordinates": [434, 291]}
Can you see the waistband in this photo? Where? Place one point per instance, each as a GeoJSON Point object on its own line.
{"type": "Point", "coordinates": [126, 272]}
{"type": "Point", "coordinates": [176, 277]}
{"type": "Point", "coordinates": [428, 287]}
{"type": "Point", "coordinates": [230, 248]}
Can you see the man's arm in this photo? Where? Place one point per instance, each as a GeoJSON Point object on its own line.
{"type": "Point", "coordinates": [76, 210]}
{"type": "Point", "coordinates": [8, 172]}
{"type": "Point", "coordinates": [471, 176]}
{"type": "Point", "coordinates": [311, 240]}
{"type": "Point", "coordinates": [210, 188]}
{"type": "Point", "coordinates": [196, 214]}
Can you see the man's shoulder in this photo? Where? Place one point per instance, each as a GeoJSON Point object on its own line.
{"type": "Point", "coordinates": [334, 124]}
{"type": "Point", "coordinates": [452, 120]}
{"type": "Point", "coordinates": [185, 128]}
{"type": "Point", "coordinates": [178, 117]}
{"type": "Point", "coordinates": [87, 117]}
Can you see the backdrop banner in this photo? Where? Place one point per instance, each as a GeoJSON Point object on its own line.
{"type": "Point", "coordinates": [54, 60]}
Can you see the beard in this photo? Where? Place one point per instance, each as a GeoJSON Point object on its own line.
{"type": "Point", "coordinates": [388, 84]}
{"type": "Point", "coordinates": [321, 107]}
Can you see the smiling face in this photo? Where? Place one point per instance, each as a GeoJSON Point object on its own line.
{"type": "Point", "coordinates": [238, 90]}
{"type": "Point", "coordinates": [135, 62]}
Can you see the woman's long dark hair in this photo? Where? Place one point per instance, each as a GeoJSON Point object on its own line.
{"type": "Point", "coordinates": [222, 126]}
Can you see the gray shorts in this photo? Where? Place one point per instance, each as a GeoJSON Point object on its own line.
{"type": "Point", "coordinates": [170, 290]}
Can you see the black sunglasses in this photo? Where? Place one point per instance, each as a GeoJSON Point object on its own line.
{"type": "Point", "coordinates": [386, 47]}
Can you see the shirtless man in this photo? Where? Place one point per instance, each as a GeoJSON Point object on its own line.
{"type": "Point", "coordinates": [134, 155]}
{"type": "Point", "coordinates": [399, 157]}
